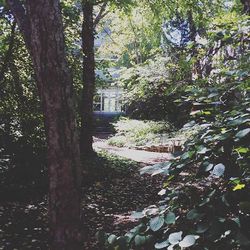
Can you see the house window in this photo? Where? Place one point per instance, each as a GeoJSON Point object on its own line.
{"type": "Point", "coordinates": [108, 100]}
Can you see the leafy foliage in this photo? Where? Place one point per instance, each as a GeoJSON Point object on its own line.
{"type": "Point", "coordinates": [137, 132]}
{"type": "Point", "coordinates": [205, 201]}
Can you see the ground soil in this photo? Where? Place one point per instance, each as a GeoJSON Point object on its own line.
{"type": "Point", "coordinates": [107, 205]}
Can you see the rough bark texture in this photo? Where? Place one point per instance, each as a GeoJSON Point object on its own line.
{"type": "Point", "coordinates": [88, 29]}
{"type": "Point", "coordinates": [45, 42]}
{"type": "Point", "coordinates": [246, 5]}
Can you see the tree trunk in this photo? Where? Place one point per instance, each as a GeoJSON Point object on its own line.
{"type": "Point", "coordinates": [45, 42]}
{"type": "Point", "coordinates": [88, 29]}
{"type": "Point", "coordinates": [246, 6]}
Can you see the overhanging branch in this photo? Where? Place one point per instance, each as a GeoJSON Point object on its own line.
{"type": "Point", "coordinates": [22, 20]}
{"type": "Point", "coordinates": [102, 13]}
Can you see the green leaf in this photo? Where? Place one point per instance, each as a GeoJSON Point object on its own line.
{"type": "Point", "coordinates": [101, 236]}
{"type": "Point", "coordinates": [162, 192]}
{"type": "Point", "coordinates": [202, 150]}
{"type": "Point", "coordinates": [187, 155]}
{"type": "Point", "coordinates": [243, 133]}
{"type": "Point", "coordinates": [170, 218]}
{"type": "Point", "coordinates": [212, 95]}
{"type": "Point", "coordinates": [218, 170]}
{"type": "Point", "coordinates": [162, 245]}
{"type": "Point", "coordinates": [209, 167]}
{"type": "Point", "coordinates": [137, 215]}
{"type": "Point", "coordinates": [151, 210]}
{"type": "Point", "coordinates": [204, 202]}
{"type": "Point", "coordinates": [193, 214]}
{"type": "Point", "coordinates": [2, 3]}
{"type": "Point", "coordinates": [202, 228]}
{"type": "Point", "coordinates": [242, 150]}
{"type": "Point", "coordinates": [140, 240]}
{"type": "Point", "coordinates": [188, 241]}
{"type": "Point", "coordinates": [175, 238]}
{"type": "Point", "coordinates": [238, 121]}
{"type": "Point", "coordinates": [237, 221]}
{"type": "Point", "coordinates": [239, 187]}
{"type": "Point", "coordinates": [156, 223]}
{"type": "Point", "coordinates": [223, 198]}
{"type": "Point", "coordinates": [206, 113]}
{"type": "Point", "coordinates": [122, 242]}
{"type": "Point", "coordinates": [156, 172]}
{"type": "Point", "coordinates": [112, 239]}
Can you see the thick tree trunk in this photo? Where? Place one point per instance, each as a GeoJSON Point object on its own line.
{"type": "Point", "coordinates": [246, 6]}
{"type": "Point", "coordinates": [45, 43]}
{"type": "Point", "coordinates": [88, 29]}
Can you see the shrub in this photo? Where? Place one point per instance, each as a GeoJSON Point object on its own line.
{"type": "Point", "coordinates": [137, 132]}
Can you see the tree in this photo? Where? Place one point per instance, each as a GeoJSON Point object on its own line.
{"type": "Point", "coordinates": [41, 25]}
{"type": "Point", "coordinates": [90, 21]}
{"type": "Point", "coordinates": [246, 6]}
{"type": "Point", "coordinates": [88, 37]}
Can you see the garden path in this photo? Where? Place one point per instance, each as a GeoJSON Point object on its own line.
{"type": "Point", "coordinates": [141, 156]}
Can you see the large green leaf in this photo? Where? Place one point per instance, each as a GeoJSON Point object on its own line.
{"type": "Point", "coordinates": [112, 239]}
{"type": "Point", "coordinates": [170, 218]}
{"type": "Point", "coordinates": [238, 121]}
{"type": "Point", "coordinates": [242, 150]}
{"type": "Point", "coordinates": [175, 238]}
{"type": "Point", "coordinates": [137, 215]}
{"type": "Point", "coordinates": [202, 150]}
{"type": "Point", "coordinates": [219, 170]}
{"type": "Point", "coordinates": [140, 240]}
{"type": "Point", "coordinates": [209, 167]}
{"type": "Point", "coordinates": [156, 223]}
{"type": "Point", "coordinates": [243, 133]}
{"type": "Point", "coordinates": [193, 214]}
{"type": "Point", "coordinates": [188, 241]}
{"type": "Point", "coordinates": [162, 244]}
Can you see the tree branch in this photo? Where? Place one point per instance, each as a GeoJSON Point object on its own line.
{"type": "Point", "coordinates": [22, 20]}
{"type": "Point", "coordinates": [102, 13]}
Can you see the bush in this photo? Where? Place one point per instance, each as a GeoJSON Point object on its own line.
{"type": "Point", "coordinates": [137, 133]}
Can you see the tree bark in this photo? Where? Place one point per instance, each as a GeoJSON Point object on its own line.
{"type": "Point", "coordinates": [246, 6]}
{"type": "Point", "coordinates": [88, 29]}
{"type": "Point", "coordinates": [41, 25]}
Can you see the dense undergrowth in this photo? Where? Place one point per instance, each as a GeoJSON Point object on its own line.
{"type": "Point", "coordinates": [131, 133]}
{"type": "Point", "coordinates": [205, 197]}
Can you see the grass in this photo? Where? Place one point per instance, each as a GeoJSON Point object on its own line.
{"type": "Point", "coordinates": [104, 165]}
